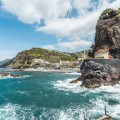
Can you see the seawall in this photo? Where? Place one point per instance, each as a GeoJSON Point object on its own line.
{"type": "Point", "coordinates": [112, 62]}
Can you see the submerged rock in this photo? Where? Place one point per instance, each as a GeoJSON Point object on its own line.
{"type": "Point", "coordinates": [5, 74]}
{"type": "Point", "coordinates": [95, 75]}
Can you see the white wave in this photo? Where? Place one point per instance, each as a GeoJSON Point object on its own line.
{"type": "Point", "coordinates": [25, 76]}
{"type": "Point", "coordinates": [112, 110]}
{"type": "Point", "coordinates": [71, 112]}
{"type": "Point", "coordinates": [65, 85]}
{"type": "Point", "coordinates": [110, 88]}
{"type": "Point", "coordinates": [23, 92]}
{"type": "Point", "coordinates": [9, 77]}
{"type": "Point", "coordinates": [10, 112]}
{"type": "Point", "coordinates": [6, 77]}
{"type": "Point", "coordinates": [73, 73]}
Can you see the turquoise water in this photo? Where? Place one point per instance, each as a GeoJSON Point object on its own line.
{"type": "Point", "coordinates": [50, 96]}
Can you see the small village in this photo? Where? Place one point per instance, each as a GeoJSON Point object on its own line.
{"type": "Point", "coordinates": [100, 54]}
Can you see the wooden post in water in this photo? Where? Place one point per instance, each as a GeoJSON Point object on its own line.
{"type": "Point", "coordinates": [84, 116]}
{"type": "Point", "coordinates": [106, 116]}
{"type": "Point", "coordinates": [105, 110]}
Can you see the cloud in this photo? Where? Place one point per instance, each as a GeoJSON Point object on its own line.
{"type": "Point", "coordinates": [73, 45]}
{"type": "Point", "coordinates": [72, 30]}
{"type": "Point", "coordinates": [49, 47]}
{"type": "Point", "coordinates": [33, 11]}
{"type": "Point", "coordinates": [70, 46]}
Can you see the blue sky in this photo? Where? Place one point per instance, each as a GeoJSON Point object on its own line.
{"type": "Point", "coordinates": [65, 25]}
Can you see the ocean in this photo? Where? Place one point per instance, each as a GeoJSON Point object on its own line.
{"type": "Point", "coordinates": [50, 96]}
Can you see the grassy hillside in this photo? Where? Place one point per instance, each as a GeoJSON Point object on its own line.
{"type": "Point", "coordinates": [51, 56]}
{"type": "Point", "coordinates": [25, 58]}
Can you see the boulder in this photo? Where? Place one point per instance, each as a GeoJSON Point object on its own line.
{"type": "Point", "coordinates": [95, 75]}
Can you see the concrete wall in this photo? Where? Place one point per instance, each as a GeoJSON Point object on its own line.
{"type": "Point", "coordinates": [112, 62]}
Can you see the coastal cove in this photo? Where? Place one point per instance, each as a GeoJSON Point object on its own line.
{"type": "Point", "coordinates": [60, 60]}
{"type": "Point", "coordinates": [50, 96]}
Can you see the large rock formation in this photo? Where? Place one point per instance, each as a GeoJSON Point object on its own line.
{"type": "Point", "coordinates": [108, 32]}
{"type": "Point", "coordinates": [95, 75]}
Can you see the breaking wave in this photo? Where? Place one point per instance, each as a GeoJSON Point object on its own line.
{"type": "Point", "coordinates": [73, 73]}
{"type": "Point", "coordinates": [105, 96]}
{"type": "Point", "coordinates": [9, 77]}
{"type": "Point", "coordinates": [10, 112]}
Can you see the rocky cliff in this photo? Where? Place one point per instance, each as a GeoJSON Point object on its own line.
{"type": "Point", "coordinates": [108, 32]}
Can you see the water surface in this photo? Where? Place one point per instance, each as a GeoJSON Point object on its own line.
{"type": "Point", "coordinates": [50, 96]}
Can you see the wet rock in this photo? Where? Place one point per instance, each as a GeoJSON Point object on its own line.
{"type": "Point", "coordinates": [95, 75]}
{"type": "Point", "coordinates": [105, 118]}
{"type": "Point", "coordinates": [77, 80]}
{"type": "Point", "coordinates": [5, 74]}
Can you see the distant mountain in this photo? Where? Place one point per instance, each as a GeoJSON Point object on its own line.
{"type": "Point", "coordinates": [5, 63]}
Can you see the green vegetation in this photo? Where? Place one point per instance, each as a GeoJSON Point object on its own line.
{"type": "Point", "coordinates": [51, 56]}
{"type": "Point", "coordinates": [109, 13]}
{"type": "Point", "coordinates": [106, 11]}
{"type": "Point", "coordinates": [25, 58]}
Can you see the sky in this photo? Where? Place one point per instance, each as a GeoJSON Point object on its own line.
{"type": "Point", "coordinates": [64, 25]}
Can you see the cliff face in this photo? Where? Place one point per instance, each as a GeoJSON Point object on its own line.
{"type": "Point", "coordinates": [108, 32]}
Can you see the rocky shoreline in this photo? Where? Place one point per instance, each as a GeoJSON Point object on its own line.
{"type": "Point", "coordinates": [95, 75]}
{"type": "Point", "coordinates": [6, 74]}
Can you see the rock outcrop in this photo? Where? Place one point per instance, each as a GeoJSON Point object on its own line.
{"type": "Point", "coordinates": [105, 118]}
{"type": "Point", "coordinates": [5, 74]}
{"type": "Point", "coordinates": [95, 75]}
{"type": "Point", "coordinates": [108, 33]}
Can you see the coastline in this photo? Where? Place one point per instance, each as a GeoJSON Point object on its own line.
{"type": "Point", "coordinates": [63, 70]}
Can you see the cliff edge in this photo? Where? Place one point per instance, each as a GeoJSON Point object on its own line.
{"type": "Point", "coordinates": [108, 33]}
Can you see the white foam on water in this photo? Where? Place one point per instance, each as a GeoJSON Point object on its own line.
{"type": "Point", "coordinates": [17, 112]}
{"type": "Point", "coordinates": [25, 76]}
{"type": "Point", "coordinates": [112, 110]}
{"type": "Point", "coordinates": [109, 93]}
{"type": "Point", "coordinates": [109, 89]}
{"type": "Point", "coordinates": [6, 77]}
{"type": "Point", "coordinates": [65, 85]}
{"type": "Point", "coordinates": [23, 92]}
{"type": "Point", "coordinates": [61, 114]}
{"type": "Point", "coordinates": [73, 73]}
{"type": "Point", "coordinates": [10, 77]}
